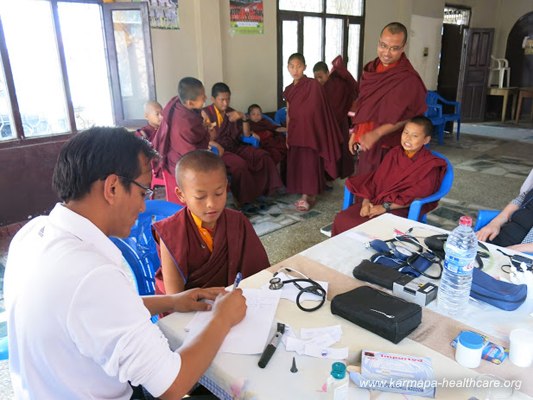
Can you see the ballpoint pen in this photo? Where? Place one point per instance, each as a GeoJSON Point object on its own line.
{"type": "Point", "coordinates": [238, 279]}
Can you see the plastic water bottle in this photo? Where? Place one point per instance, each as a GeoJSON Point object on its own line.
{"type": "Point", "coordinates": [460, 254]}
{"type": "Point", "coordinates": [338, 382]}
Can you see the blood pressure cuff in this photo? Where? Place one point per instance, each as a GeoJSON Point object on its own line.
{"type": "Point", "coordinates": [387, 316]}
{"type": "Point", "coordinates": [504, 295]}
{"type": "Point", "coordinates": [376, 273]}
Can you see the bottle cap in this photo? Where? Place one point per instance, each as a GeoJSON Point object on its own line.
{"type": "Point", "coordinates": [471, 340]}
{"type": "Point", "coordinates": [338, 370]}
{"type": "Point", "coordinates": [465, 220]}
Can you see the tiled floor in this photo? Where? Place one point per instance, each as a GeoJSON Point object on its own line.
{"type": "Point", "coordinates": [489, 171]}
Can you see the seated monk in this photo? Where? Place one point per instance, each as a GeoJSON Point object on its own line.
{"type": "Point", "coordinates": [271, 136]}
{"type": "Point", "coordinates": [153, 112]}
{"type": "Point", "coordinates": [408, 172]}
{"type": "Point", "coordinates": [253, 172]}
{"type": "Point", "coordinates": [205, 244]}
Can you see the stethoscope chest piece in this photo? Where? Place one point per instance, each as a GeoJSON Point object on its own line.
{"type": "Point", "coordinates": [275, 283]}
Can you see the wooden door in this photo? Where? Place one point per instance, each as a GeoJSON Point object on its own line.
{"type": "Point", "coordinates": [474, 73]}
{"type": "Point", "coordinates": [450, 60]}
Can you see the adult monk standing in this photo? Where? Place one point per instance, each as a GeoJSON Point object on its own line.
{"type": "Point", "coordinates": [341, 91]}
{"type": "Point", "coordinates": [182, 129]}
{"type": "Point", "coordinates": [390, 93]}
{"type": "Point", "coordinates": [253, 172]}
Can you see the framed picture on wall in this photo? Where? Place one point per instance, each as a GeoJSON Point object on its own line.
{"type": "Point", "coordinates": [164, 14]}
{"type": "Point", "coordinates": [246, 16]}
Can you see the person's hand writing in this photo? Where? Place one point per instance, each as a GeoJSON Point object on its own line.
{"type": "Point", "coordinates": [368, 140]}
{"type": "Point", "coordinates": [230, 307]}
{"type": "Point", "coordinates": [488, 232]}
{"type": "Point", "coordinates": [376, 210]}
{"type": "Point", "coordinates": [191, 300]}
{"type": "Point", "coordinates": [235, 115]}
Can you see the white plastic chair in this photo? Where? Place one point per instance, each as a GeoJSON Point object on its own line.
{"type": "Point", "coordinates": [500, 66]}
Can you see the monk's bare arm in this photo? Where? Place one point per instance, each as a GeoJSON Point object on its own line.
{"type": "Point", "coordinates": [171, 275]}
{"type": "Point", "coordinates": [368, 140]}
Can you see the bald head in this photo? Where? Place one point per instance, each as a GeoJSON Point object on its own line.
{"type": "Point", "coordinates": [396, 28]}
{"type": "Point", "coordinates": [198, 161]}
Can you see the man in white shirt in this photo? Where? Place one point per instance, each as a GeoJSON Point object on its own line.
{"type": "Point", "coordinates": [76, 326]}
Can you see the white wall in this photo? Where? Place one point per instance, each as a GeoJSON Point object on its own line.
{"type": "Point", "coordinates": [204, 47]}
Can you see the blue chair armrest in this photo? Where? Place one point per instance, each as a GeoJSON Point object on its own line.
{"type": "Point", "coordinates": [445, 187]}
{"type": "Point", "coordinates": [281, 116]}
{"type": "Point", "coordinates": [250, 140]}
{"type": "Point", "coordinates": [484, 217]}
{"type": "Point", "coordinates": [349, 198]}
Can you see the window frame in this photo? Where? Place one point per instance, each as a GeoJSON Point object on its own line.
{"type": "Point", "coordinates": [298, 16]}
{"type": "Point", "coordinates": [112, 67]}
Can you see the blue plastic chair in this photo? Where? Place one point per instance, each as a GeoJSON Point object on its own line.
{"type": "Point", "coordinates": [280, 117]}
{"type": "Point", "coordinates": [434, 113]}
{"type": "Point", "coordinates": [484, 217]}
{"type": "Point", "coordinates": [4, 351]}
{"type": "Point", "coordinates": [416, 206]}
{"type": "Point", "coordinates": [433, 99]}
{"type": "Point", "coordinates": [251, 141]}
{"type": "Point", "coordinates": [139, 248]}
{"type": "Point", "coordinates": [270, 119]}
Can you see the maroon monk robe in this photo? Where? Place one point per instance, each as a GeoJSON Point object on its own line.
{"type": "Point", "coordinates": [146, 132]}
{"type": "Point", "coordinates": [314, 138]}
{"type": "Point", "coordinates": [388, 97]}
{"type": "Point", "coordinates": [272, 141]}
{"type": "Point", "coordinates": [181, 131]}
{"type": "Point", "coordinates": [253, 172]}
{"type": "Point", "coordinates": [236, 248]}
{"type": "Point", "coordinates": [398, 179]}
{"type": "Point", "coordinates": [341, 90]}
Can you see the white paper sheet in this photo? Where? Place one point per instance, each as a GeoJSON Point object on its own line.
{"type": "Point", "coordinates": [251, 334]}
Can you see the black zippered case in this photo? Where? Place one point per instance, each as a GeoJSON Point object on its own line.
{"type": "Point", "coordinates": [387, 316]}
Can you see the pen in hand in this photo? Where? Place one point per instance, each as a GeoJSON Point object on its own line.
{"type": "Point", "coordinates": [238, 279]}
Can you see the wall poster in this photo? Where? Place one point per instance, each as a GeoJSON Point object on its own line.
{"type": "Point", "coordinates": [246, 16]}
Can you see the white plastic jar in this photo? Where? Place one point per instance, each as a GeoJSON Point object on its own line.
{"type": "Point", "coordinates": [468, 349]}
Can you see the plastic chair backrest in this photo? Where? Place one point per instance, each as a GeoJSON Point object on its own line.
{"type": "Point", "coordinates": [281, 116]}
{"type": "Point", "coordinates": [484, 217]}
{"type": "Point", "coordinates": [270, 119]}
{"type": "Point", "coordinates": [416, 206]}
{"type": "Point", "coordinates": [139, 248]}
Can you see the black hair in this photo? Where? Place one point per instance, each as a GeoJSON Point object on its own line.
{"type": "Point", "coordinates": [395, 28]}
{"type": "Point", "coordinates": [199, 161]}
{"type": "Point", "coordinates": [95, 154]}
{"type": "Point", "coordinates": [189, 89]}
{"type": "Point", "coordinates": [297, 56]}
{"type": "Point", "coordinates": [252, 106]}
{"type": "Point", "coordinates": [321, 66]}
{"type": "Point", "coordinates": [219, 87]}
{"type": "Point", "coordinates": [424, 122]}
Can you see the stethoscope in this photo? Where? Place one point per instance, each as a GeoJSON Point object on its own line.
{"type": "Point", "coordinates": [276, 283]}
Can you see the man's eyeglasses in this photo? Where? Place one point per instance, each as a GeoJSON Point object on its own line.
{"type": "Point", "coordinates": [148, 193]}
{"type": "Point", "coordinates": [393, 49]}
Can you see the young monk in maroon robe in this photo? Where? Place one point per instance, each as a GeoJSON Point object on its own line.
{"type": "Point", "coordinates": [153, 112]}
{"type": "Point", "coordinates": [390, 93]}
{"type": "Point", "coordinates": [205, 244]}
{"type": "Point", "coordinates": [253, 172]}
{"type": "Point", "coordinates": [272, 136]}
{"type": "Point", "coordinates": [182, 129]}
{"type": "Point", "coordinates": [407, 172]}
{"type": "Point", "coordinates": [341, 91]}
{"type": "Point", "coordinates": [313, 136]}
